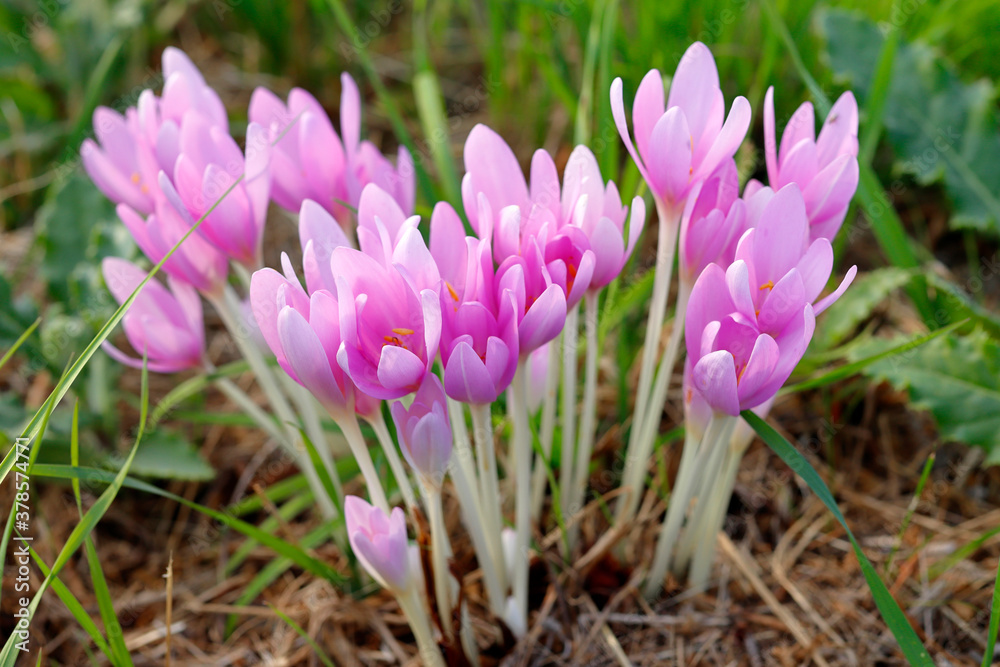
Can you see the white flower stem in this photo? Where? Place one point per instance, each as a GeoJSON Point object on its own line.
{"type": "Point", "coordinates": [704, 556]}
{"type": "Point", "coordinates": [687, 482]}
{"type": "Point", "coordinates": [707, 478]}
{"type": "Point", "coordinates": [377, 422]}
{"type": "Point", "coordinates": [463, 446]}
{"type": "Point", "coordinates": [663, 375]}
{"type": "Point", "coordinates": [522, 506]}
{"type": "Point", "coordinates": [635, 461]}
{"type": "Point", "coordinates": [567, 408]}
{"type": "Point", "coordinates": [548, 427]}
{"type": "Point", "coordinates": [588, 416]}
{"type": "Point", "coordinates": [440, 552]}
{"type": "Point", "coordinates": [489, 483]}
{"type": "Point", "coordinates": [228, 308]}
{"type": "Point", "coordinates": [306, 404]}
{"type": "Point", "coordinates": [491, 563]}
{"type": "Point", "coordinates": [348, 423]}
{"type": "Point", "coordinates": [415, 612]}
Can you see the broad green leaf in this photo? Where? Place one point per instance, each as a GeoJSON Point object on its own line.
{"type": "Point", "coordinates": [941, 128]}
{"type": "Point", "coordinates": [956, 378]}
{"type": "Point", "coordinates": [166, 455]}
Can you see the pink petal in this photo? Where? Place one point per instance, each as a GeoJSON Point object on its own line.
{"type": "Point", "coordinates": [714, 375]}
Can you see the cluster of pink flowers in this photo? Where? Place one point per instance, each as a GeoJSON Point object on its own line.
{"type": "Point", "coordinates": [382, 315]}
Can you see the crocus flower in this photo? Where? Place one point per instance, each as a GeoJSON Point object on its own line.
{"type": "Point", "coordinates": [491, 170]}
{"type": "Point", "coordinates": [303, 332]}
{"type": "Point", "coordinates": [540, 303]}
{"type": "Point", "coordinates": [390, 332]}
{"type": "Point", "coordinates": [164, 324]}
{"type": "Point", "coordinates": [749, 325]}
{"type": "Point", "coordinates": [196, 261]}
{"type": "Point", "coordinates": [784, 269]}
{"type": "Point", "coordinates": [682, 142]}
{"type": "Point", "coordinates": [319, 235]}
{"type": "Point", "coordinates": [734, 365]}
{"type": "Point", "coordinates": [379, 543]}
{"type": "Point", "coordinates": [133, 148]}
{"type": "Point", "coordinates": [424, 429]}
{"type": "Point", "coordinates": [479, 340]}
{"type": "Point", "coordinates": [206, 175]}
{"type": "Point", "coordinates": [713, 221]}
{"type": "Point", "coordinates": [597, 210]}
{"type": "Point", "coordinates": [825, 169]}
{"type": "Point", "coordinates": [312, 162]}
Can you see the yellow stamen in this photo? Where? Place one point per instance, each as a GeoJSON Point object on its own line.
{"type": "Point", "coordinates": [768, 285]}
{"type": "Point", "coordinates": [144, 190]}
{"type": "Point", "coordinates": [402, 331]}
{"type": "Point", "coordinates": [135, 177]}
{"type": "Point", "coordinates": [451, 290]}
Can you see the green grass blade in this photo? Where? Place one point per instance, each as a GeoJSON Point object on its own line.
{"type": "Point", "coordinates": [286, 512]}
{"type": "Point", "coordinates": [852, 368]}
{"type": "Point", "coordinates": [9, 527]}
{"type": "Point", "coordinates": [960, 554]}
{"type": "Point", "coordinates": [877, 97]}
{"type": "Point", "coordinates": [9, 654]}
{"type": "Point", "coordinates": [192, 387]}
{"type": "Point", "coordinates": [277, 567]}
{"type": "Point", "coordinates": [76, 609]}
{"type": "Point", "coordinates": [320, 653]}
{"type": "Point", "coordinates": [297, 555]}
{"type": "Point", "coordinates": [894, 617]}
{"type": "Point", "coordinates": [19, 342]}
{"type": "Point", "coordinates": [321, 471]}
{"type": "Point", "coordinates": [106, 606]}
{"type": "Point", "coordinates": [991, 637]}
{"type": "Point", "coordinates": [925, 474]}
{"type": "Point", "coordinates": [276, 493]}
{"type": "Point", "coordinates": [343, 19]}
{"type": "Point", "coordinates": [585, 107]}
{"type": "Point", "coordinates": [116, 639]}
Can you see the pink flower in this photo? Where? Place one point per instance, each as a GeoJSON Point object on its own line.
{"type": "Point", "coordinates": [733, 365]}
{"type": "Point", "coordinates": [539, 302]}
{"type": "Point", "coordinates": [379, 542]}
{"type": "Point", "coordinates": [825, 169]}
{"type": "Point", "coordinates": [303, 332]}
{"type": "Point", "coordinates": [749, 325]}
{"type": "Point", "coordinates": [424, 430]}
{"type": "Point", "coordinates": [597, 211]}
{"type": "Point", "coordinates": [784, 269]}
{"type": "Point", "coordinates": [713, 221]}
{"type": "Point", "coordinates": [479, 338]}
{"type": "Point", "coordinates": [390, 331]}
{"type": "Point", "coordinates": [135, 147]}
{"type": "Point", "coordinates": [205, 176]}
{"type": "Point", "coordinates": [311, 161]}
{"type": "Point", "coordinates": [196, 262]}
{"type": "Point", "coordinates": [682, 142]}
{"type": "Point", "coordinates": [319, 235]}
{"type": "Point", "coordinates": [164, 324]}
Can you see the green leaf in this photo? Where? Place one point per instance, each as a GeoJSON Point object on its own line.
{"type": "Point", "coordinates": [893, 616]}
{"type": "Point", "coordinates": [956, 378]}
{"type": "Point", "coordinates": [941, 128]}
{"type": "Point", "coordinates": [166, 455]}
